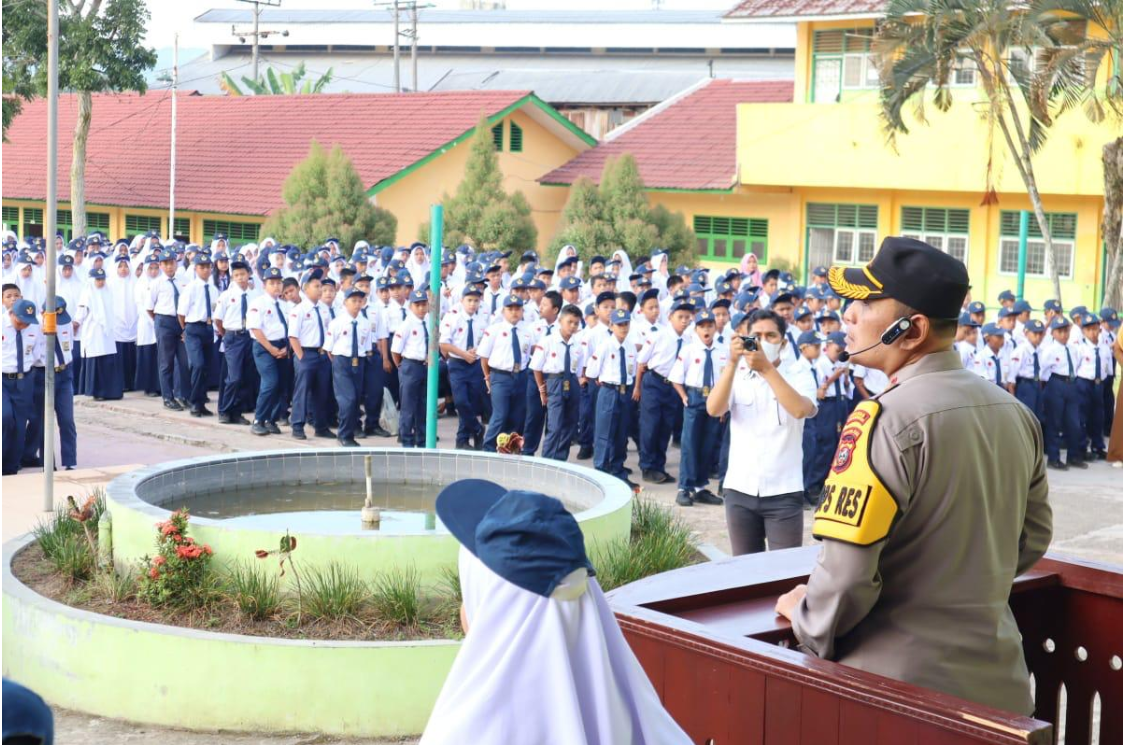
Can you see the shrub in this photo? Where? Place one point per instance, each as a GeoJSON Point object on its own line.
{"type": "Point", "coordinates": [659, 541]}
{"type": "Point", "coordinates": [397, 597]}
{"type": "Point", "coordinates": [50, 534]}
{"type": "Point", "coordinates": [256, 593]}
{"type": "Point", "coordinates": [71, 557]}
{"type": "Point", "coordinates": [114, 587]}
{"type": "Point", "coordinates": [334, 592]}
{"type": "Point", "coordinates": [180, 573]}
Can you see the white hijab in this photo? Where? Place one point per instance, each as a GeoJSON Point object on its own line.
{"type": "Point", "coordinates": [624, 270]}
{"type": "Point", "coordinates": [123, 292]}
{"type": "Point", "coordinates": [549, 671]}
{"type": "Point", "coordinates": [95, 314]}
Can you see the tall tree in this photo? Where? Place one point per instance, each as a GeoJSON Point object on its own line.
{"type": "Point", "coordinates": [625, 207]}
{"type": "Point", "coordinates": [100, 49]}
{"type": "Point", "coordinates": [582, 224]}
{"type": "Point", "coordinates": [325, 196]}
{"type": "Point", "coordinates": [922, 44]}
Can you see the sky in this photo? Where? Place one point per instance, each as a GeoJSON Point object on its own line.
{"type": "Point", "coordinates": [170, 16]}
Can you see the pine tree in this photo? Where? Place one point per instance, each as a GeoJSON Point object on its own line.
{"type": "Point", "coordinates": [324, 196]}
{"type": "Point", "coordinates": [582, 224]}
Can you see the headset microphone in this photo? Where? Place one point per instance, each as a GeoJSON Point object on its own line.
{"type": "Point", "coordinates": [897, 329]}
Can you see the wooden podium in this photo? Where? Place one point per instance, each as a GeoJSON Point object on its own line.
{"type": "Point", "coordinates": [726, 666]}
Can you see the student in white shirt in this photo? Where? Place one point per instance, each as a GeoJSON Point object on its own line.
{"type": "Point", "coordinates": [147, 376]}
{"type": "Point", "coordinates": [266, 319]}
{"type": "Point", "coordinates": [347, 342]}
{"type": "Point", "coordinates": [693, 376]}
{"type": "Point", "coordinates": [556, 364]}
{"type": "Point", "coordinates": [657, 399]}
{"type": "Point", "coordinates": [196, 310]}
{"type": "Point", "coordinates": [820, 435]}
{"type": "Point", "coordinates": [992, 361]}
{"type": "Point", "coordinates": [231, 311]}
{"type": "Point", "coordinates": [590, 338]}
{"type": "Point", "coordinates": [20, 335]}
{"type": "Point", "coordinates": [458, 337]}
{"type": "Point", "coordinates": [965, 340]}
{"type": "Point", "coordinates": [172, 356]}
{"type": "Point", "coordinates": [1061, 401]}
{"type": "Point", "coordinates": [768, 396]}
{"type": "Point", "coordinates": [535, 411]}
{"type": "Point", "coordinates": [376, 364]}
{"type": "Point", "coordinates": [409, 347]}
{"type": "Point", "coordinates": [1094, 366]}
{"type": "Point", "coordinates": [1025, 370]}
{"type": "Point", "coordinates": [504, 352]}
{"type": "Point", "coordinates": [312, 385]}
{"type": "Point", "coordinates": [613, 366]}
{"type": "Point", "coordinates": [869, 382]}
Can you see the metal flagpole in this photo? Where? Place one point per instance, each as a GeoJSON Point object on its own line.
{"type": "Point", "coordinates": [172, 159]}
{"type": "Point", "coordinates": [432, 321]}
{"type": "Point", "coordinates": [49, 329]}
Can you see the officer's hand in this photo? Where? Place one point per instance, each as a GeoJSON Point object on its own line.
{"type": "Point", "coordinates": [758, 361]}
{"type": "Point", "coordinates": [786, 603]}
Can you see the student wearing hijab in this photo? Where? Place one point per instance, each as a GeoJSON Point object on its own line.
{"type": "Point", "coordinates": [122, 287]}
{"type": "Point", "coordinates": [102, 377]}
{"type": "Point", "coordinates": [146, 377]}
{"type": "Point", "coordinates": [543, 660]}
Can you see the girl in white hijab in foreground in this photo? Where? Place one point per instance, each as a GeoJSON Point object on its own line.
{"type": "Point", "coordinates": [544, 661]}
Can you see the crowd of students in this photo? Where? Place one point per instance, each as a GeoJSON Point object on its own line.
{"type": "Point", "coordinates": [570, 354]}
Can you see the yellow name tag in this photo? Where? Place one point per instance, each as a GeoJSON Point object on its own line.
{"type": "Point", "coordinates": [855, 505]}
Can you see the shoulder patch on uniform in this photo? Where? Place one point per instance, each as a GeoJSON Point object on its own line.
{"type": "Point", "coordinates": [855, 505]}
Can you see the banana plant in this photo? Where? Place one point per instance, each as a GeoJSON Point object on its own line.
{"type": "Point", "coordinates": [276, 83]}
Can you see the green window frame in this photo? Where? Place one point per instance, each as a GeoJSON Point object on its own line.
{"type": "Point", "coordinates": [498, 136]}
{"type": "Point", "coordinates": [94, 221]}
{"type": "Point", "coordinates": [515, 138]}
{"type": "Point", "coordinates": [841, 233]}
{"type": "Point", "coordinates": [183, 228]}
{"type": "Point", "coordinates": [1063, 226]}
{"type": "Point", "coordinates": [246, 232]}
{"type": "Point", "coordinates": [141, 224]}
{"type": "Point", "coordinates": [851, 49]}
{"type": "Point", "coordinates": [32, 219]}
{"type": "Point", "coordinates": [947, 229]}
{"type": "Point", "coordinates": [730, 238]}
{"type": "Point", "coordinates": [97, 221]}
{"type": "Point", "coordinates": [11, 218]}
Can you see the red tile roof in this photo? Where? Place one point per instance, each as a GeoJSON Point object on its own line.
{"type": "Point", "coordinates": [233, 153]}
{"type": "Point", "coordinates": [688, 145]}
{"type": "Point", "coordinates": [801, 8]}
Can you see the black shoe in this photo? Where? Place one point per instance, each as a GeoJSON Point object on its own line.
{"type": "Point", "coordinates": [684, 498]}
{"type": "Point", "coordinates": [152, 394]}
{"type": "Point", "coordinates": [240, 419]}
{"type": "Point", "coordinates": [172, 405]}
{"type": "Point", "coordinates": [70, 468]}
{"type": "Point", "coordinates": [704, 496]}
{"type": "Point", "coordinates": [204, 411]}
{"type": "Point", "coordinates": [676, 444]}
{"type": "Point", "coordinates": [656, 477]}
{"type": "Point", "coordinates": [1076, 463]}
{"type": "Point", "coordinates": [285, 422]}
{"type": "Point", "coordinates": [628, 470]}
{"type": "Point", "coordinates": [464, 446]}
{"type": "Point", "coordinates": [183, 403]}
{"type": "Point", "coordinates": [379, 432]}
{"type": "Point", "coordinates": [586, 453]}
{"type": "Point", "coordinates": [325, 434]}
{"type": "Point", "coordinates": [196, 412]}
{"type": "Point", "coordinates": [1089, 455]}
{"type": "Point", "coordinates": [99, 398]}
{"type": "Point", "coordinates": [272, 428]}
{"type": "Point", "coordinates": [1058, 465]}
{"type": "Point", "coordinates": [259, 429]}
{"type": "Point", "coordinates": [1100, 455]}
{"type": "Point", "coordinates": [477, 441]}
{"type": "Point", "coordinates": [349, 443]}
{"type": "Point", "coordinates": [359, 435]}
{"type": "Point", "coordinates": [631, 485]}
{"type": "Point", "coordinates": [299, 434]}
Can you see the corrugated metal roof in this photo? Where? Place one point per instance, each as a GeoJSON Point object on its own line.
{"type": "Point", "coordinates": [428, 15]}
{"type": "Point", "coordinates": [805, 8]}
{"type": "Point", "coordinates": [557, 79]}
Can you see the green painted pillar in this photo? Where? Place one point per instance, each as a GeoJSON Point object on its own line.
{"type": "Point", "coordinates": [432, 320]}
{"type": "Point", "coordinates": [1022, 256]}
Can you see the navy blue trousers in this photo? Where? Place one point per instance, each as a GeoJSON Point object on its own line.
{"type": "Point", "coordinates": [1061, 400]}
{"type": "Point", "coordinates": [534, 417]}
{"type": "Point", "coordinates": [819, 443]}
{"type": "Point", "coordinates": [147, 376]}
{"type": "Point", "coordinates": [312, 387]}
{"type": "Point", "coordinates": [172, 358]}
{"type": "Point", "coordinates": [64, 416]}
{"type": "Point", "coordinates": [698, 439]}
{"type": "Point", "coordinates": [270, 370]}
{"type": "Point", "coordinates": [587, 397]}
{"type": "Point", "coordinates": [659, 407]}
{"type": "Point", "coordinates": [236, 358]}
{"type": "Point", "coordinates": [1030, 393]}
{"type": "Point", "coordinates": [199, 341]}
{"type": "Point", "coordinates": [412, 407]}
{"type": "Point", "coordinates": [1091, 414]}
{"type": "Point", "coordinates": [611, 429]}
{"type": "Point", "coordinates": [508, 392]}
{"type": "Point", "coordinates": [18, 409]}
{"type": "Point", "coordinates": [467, 383]}
{"type": "Point", "coordinates": [347, 386]}
{"type": "Point", "coordinates": [375, 379]}
{"type": "Point", "coordinates": [562, 416]}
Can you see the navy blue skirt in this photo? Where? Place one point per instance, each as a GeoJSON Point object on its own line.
{"type": "Point", "coordinates": [102, 377]}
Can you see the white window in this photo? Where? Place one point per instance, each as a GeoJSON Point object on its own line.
{"type": "Point", "coordinates": [965, 70]}
{"type": "Point", "coordinates": [955, 245]}
{"type": "Point", "coordinates": [1035, 263]}
{"type": "Point", "coordinates": [854, 246]}
{"type": "Point", "coordinates": [947, 229]}
{"type": "Point", "coordinates": [860, 71]}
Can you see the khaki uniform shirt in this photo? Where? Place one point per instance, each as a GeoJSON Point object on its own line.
{"type": "Point", "coordinates": [937, 499]}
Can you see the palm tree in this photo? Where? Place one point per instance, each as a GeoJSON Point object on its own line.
{"type": "Point", "coordinates": [276, 84]}
{"type": "Point", "coordinates": [925, 44]}
{"type": "Point", "coordinates": [1067, 76]}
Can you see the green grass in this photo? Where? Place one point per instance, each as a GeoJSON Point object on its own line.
{"type": "Point", "coordinates": [659, 541]}
{"type": "Point", "coordinates": [397, 597]}
{"type": "Point", "coordinates": [114, 587]}
{"type": "Point", "coordinates": [256, 592]}
{"type": "Point", "coordinates": [449, 583]}
{"type": "Point", "coordinates": [333, 592]}
{"type": "Point", "coordinates": [71, 557]}
{"type": "Point", "coordinates": [53, 534]}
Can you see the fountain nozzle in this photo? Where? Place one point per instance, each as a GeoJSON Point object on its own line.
{"type": "Point", "coordinates": [369, 514]}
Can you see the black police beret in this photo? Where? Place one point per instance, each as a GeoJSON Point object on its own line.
{"type": "Point", "coordinates": [910, 271]}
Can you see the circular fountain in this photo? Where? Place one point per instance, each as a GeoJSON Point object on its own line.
{"type": "Point", "coordinates": [183, 677]}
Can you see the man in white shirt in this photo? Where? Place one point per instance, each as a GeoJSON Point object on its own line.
{"type": "Point", "coordinates": [195, 310]}
{"type": "Point", "coordinates": [557, 363]}
{"type": "Point", "coordinates": [965, 340]}
{"type": "Point", "coordinates": [1061, 401]}
{"type": "Point", "coordinates": [992, 360]}
{"type": "Point", "coordinates": [547, 313]}
{"type": "Point", "coordinates": [376, 366]}
{"type": "Point", "coordinates": [768, 394]}
{"type": "Point", "coordinates": [1094, 366]}
{"type": "Point", "coordinates": [1025, 370]}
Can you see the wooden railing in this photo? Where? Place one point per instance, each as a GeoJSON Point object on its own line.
{"type": "Point", "coordinates": [725, 667]}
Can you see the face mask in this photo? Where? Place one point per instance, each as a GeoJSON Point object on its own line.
{"type": "Point", "coordinates": [772, 350]}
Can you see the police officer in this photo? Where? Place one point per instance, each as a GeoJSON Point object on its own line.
{"type": "Point", "coordinates": [914, 482]}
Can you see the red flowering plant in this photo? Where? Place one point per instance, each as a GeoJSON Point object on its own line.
{"type": "Point", "coordinates": [180, 568]}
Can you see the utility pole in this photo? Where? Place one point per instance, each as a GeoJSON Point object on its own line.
{"type": "Point", "coordinates": [398, 87]}
{"type": "Point", "coordinates": [414, 47]}
{"type": "Point", "coordinates": [258, 35]}
{"type": "Point", "coordinates": [396, 7]}
{"type": "Point", "coordinates": [172, 159]}
{"type": "Point", "coordinates": [49, 328]}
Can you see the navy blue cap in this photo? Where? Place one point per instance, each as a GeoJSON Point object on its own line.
{"type": "Point", "coordinates": [167, 256]}
{"type": "Point", "coordinates": [828, 315]}
{"type": "Point", "coordinates": [809, 337]}
{"type": "Point", "coordinates": [271, 273]}
{"type": "Point", "coordinates": [65, 260]}
{"type": "Point", "coordinates": [1006, 295]}
{"type": "Point", "coordinates": [512, 301]}
{"type": "Point", "coordinates": [121, 258]}
{"type": "Point", "coordinates": [820, 271]}
{"type": "Point", "coordinates": [683, 301]}
{"type": "Point", "coordinates": [1078, 310]}
{"type": "Point", "coordinates": [201, 258]}
{"type": "Point", "coordinates": [976, 307]}
{"type": "Point", "coordinates": [1060, 322]}
{"type": "Point", "coordinates": [382, 283]}
{"type": "Point", "coordinates": [967, 320]}
{"type": "Point", "coordinates": [1110, 315]}
{"type": "Point", "coordinates": [721, 302]}
{"type": "Point", "coordinates": [569, 260]}
{"type": "Point", "coordinates": [695, 287]}
{"type": "Point", "coordinates": [705, 316]}
{"type": "Point", "coordinates": [1007, 312]}
{"type": "Point", "coordinates": [154, 258]}
{"type": "Point", "coordinates": [526, 538]}
{"type": "Point", "coordinates": [619, 315]}
{"type": "Point", "coordinates": [649, 295]}
{"type": "Point", "coordinates": [471, 290]}
{"type": "Point", "coordinates": [25, 309]}
{"type": "Point", "coordinates": [328, 281]}
{"type": "Point", "coordinates": [1022, 306]}
{"type": "Point", "coordinates": [839, 338]}
{"type": "Point", "coordinates": [683, 269]}
{"type": "Point", "coordinates": [537, 284]}
{"type": "Point", "coordinates": [737, 319]}
{"type": "Point", "coordinates": [802, 312]}
{"type": "Point", "coordinates": [27, 718]}
{"type": "Point", "coordinates": [992, 329]}
{"type": "Point", "coordinates": [354, 292]}
{"type": "Point", "coordinates": [518, 284]}
{"type": "Point", "coordinates": [311, 275]}
{"type": "Point", "coordinates": [418, 296]}
{"type": "Point", "coordinates": [589, 309]}
{"type": "Point", "coordinates": [782, 296]}
{"type": "Point", "coordinates": [97, 274]}
{"type": "Point", "coordinates": [1053, 305]}
{"type": "Point", "coordinates": [1089, 320]}
{"type": "Point", "coordinates": [604, 296]}
{"type": "Point", "coordinates": [544, 270]}
{"type": "Point", "coordinates": [529, 256]}
{"type": "Point", "coordinates": [1034, 327]}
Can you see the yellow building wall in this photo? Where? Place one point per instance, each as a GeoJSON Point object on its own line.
{"type": "Point", "coordinates": [410, 197]}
